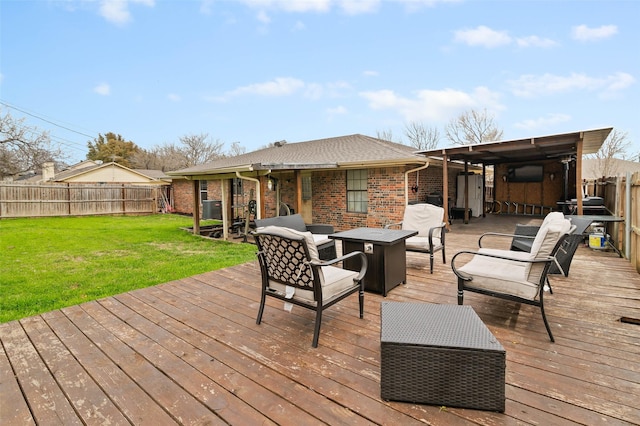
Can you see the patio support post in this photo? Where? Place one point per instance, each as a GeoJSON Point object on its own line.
{"type": "Point", "coordinates": [484, 190]}
{"type": "Point", "coordinates": [196, 207]}
{"type": "Point", "coordinates": [466, 192]}
{"type": "Point", "coordinates": [445, 189]}
{"type": "Point", "coordinates": [225, 198]}
{"type": "Point", "coordinates": [579, 175]}
{"type": "Point", "coordinates": [298, 176]}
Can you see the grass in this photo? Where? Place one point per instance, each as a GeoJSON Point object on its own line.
{"type": "Point", "coordinates": [50, 263]}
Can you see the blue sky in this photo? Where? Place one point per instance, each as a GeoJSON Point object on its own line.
{"type": "Point", "coordinates": [258, 71]}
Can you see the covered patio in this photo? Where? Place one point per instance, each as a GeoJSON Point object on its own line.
{"type": "Point", "coordinates": [190, 352]}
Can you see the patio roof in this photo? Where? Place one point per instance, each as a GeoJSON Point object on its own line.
{"type": "Point", "coordinates": [531, 149]}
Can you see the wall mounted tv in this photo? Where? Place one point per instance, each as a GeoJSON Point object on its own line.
{"type": "Point", "coordinates": [528, 173]}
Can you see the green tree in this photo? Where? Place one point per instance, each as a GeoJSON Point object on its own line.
{"type": "Point", "coordinates": [112, 147]}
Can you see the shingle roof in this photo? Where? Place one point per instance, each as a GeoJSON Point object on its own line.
{"type": "Point", "coordinates": [592, 167]}
{"type": "Point", "coordinates": [342, 151]}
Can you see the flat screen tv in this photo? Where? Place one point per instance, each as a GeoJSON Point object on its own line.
{"type": "Point", "coordinates": [528, 173]}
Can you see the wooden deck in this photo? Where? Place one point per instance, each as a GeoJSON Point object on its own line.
{"type": "Point", "coordinates": [190, 352]}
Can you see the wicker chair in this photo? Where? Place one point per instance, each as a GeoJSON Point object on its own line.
{"type": "Point", "coordinates": [292, 272]}
{"type": "Point", "coordinates": [427, 219]}
{"type": "Point", "coordinates": [514, 275]}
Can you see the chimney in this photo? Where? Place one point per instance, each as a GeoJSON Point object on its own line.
{"type": "Point", "coordinates": [48, 171]}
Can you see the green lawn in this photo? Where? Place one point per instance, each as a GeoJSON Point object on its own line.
{"type": "Point", "coordinates": [49, 263]}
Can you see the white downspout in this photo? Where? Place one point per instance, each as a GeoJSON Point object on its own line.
{"type": "Point", "coordinates": [406, 181]}
{"type": "Point", "coordinates": [258, 198]}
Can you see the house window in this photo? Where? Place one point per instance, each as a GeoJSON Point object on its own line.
{"type": "Point", "coordinates": [306, 187]}
{"type": "Point", "coordinates": [357, 191]}
{"type": "Point", "coordinates": [203, 190]}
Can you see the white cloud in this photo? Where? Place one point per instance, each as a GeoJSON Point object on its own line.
{"type": "Point", "coordinates": [543, 122]}
{"type": "Point", "coordinates": [279, 87]}
{"type": "Point", "coordinates": [117, 11]}
{"type": "Point", "coordinates": [414, 5]}
{"type": "Point", "coordinates": [339, 110]}
{"type": "Point", "coordinates": [584, 33]}
{"type": "Point", "coordinates": [433, 105]}
{"type": "Point", "coordinates": [206, 7]}
{"type": "Point", "coordinates": [356, 7]}
{"type": "Point", "coordinates": [482, 36]}
{"type": "Point", "coordinates": [286, 86]}
{"type": "Point", "coordinates": [102, 89]}
{"type": "Point", "coordinates": [291, 5]}
{"type": "Point", "coordinates": [530, 86]}
{"type": "Point", "coordinates": [535, 41]}
{"type": "Point", "coordinates": [263, 17]}
{"type": "Point", "coordinates": [299, 26]}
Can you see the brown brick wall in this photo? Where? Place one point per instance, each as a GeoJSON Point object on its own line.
{"type": "Point", "coordinates": [183, 196]}
{"type": "Point", "coordinates": [385, 195]}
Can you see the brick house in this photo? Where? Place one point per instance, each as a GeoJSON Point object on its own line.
{"type": "Point", "coordinates": [347, 181]}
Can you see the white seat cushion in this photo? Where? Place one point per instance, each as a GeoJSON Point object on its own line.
{"type": "Point", "coordinates": [500, 275]}
{"type": "Point", "coordinates": [422, 243]}
{"type": "Point", "coordinates": [336, 282]}
{"type": "Point", "coordinates": [320, 239]}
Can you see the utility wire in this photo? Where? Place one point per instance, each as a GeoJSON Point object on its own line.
{"type": "Point", "coordinates": [44, 119]}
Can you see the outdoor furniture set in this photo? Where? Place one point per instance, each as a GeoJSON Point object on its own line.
{"type": "Point", "coordinates": [432, 354]}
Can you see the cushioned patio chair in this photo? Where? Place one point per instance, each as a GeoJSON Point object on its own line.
{"type": "Point", "coordinates": [427, 219]}
{"type": "Point", "coordinates": [524, 235]}
{"type": "Point", "coordinates": [292, 272]}
{"type": "Point", "coordinates": [514, 275]}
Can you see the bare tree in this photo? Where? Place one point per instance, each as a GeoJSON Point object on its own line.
{"type": "Point", "coordinates": [24, 149]}
{"type": "Point", "coordinates": [192, 151]}
{"type": "Point", "coordinates": [197, 149]}
{"type": "Point", "coordinates": [235, 149]}
{"type": "Point", "coordinates": [421, 137]}
{"type": "Point", "coordinates": [473, 127]}
{"type": "Point", "coordinates": [615, 146]}
{"type": "Point", "coordinates": [386, 135]}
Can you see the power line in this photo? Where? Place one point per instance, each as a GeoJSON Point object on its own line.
{"type": "Point", "coordinates": [44, 119]}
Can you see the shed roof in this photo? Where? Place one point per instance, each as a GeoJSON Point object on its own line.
{"type": "Point", "coordinates": [530, 149]}
{"type": "Point", "coordinates": [338, 152]}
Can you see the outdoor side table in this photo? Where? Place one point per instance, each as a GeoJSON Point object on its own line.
{"type": "Point", "coordinates": [386, 255]}
{"type": "Point", "coordinates": [440, 355]}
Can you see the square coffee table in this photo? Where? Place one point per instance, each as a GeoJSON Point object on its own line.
{"type": "Point", "coordinates": [440, 355]}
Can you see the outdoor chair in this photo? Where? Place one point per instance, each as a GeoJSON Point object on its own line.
{"type": "Point", "coordinates": [320, 232]}
{"type": "Point", "coordinates": [427, 219]}
{"type": "Point", "coordinates": [292, 272]}
{"type": "Point", "coordinates": [514, 275]}
{"type": "Point", "coordinates": [524, 235]}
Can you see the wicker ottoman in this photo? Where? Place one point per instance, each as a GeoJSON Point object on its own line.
{"type": "Point", "coordinates": [440, 355]}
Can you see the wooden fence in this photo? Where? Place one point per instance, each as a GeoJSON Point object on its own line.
{"type": "Point", "coordinates": [614, 192]}
{"type": "Point", "coordinates": [34, 200]}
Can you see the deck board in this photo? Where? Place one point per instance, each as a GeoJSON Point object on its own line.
{"type": "Point", "coordinates": [190, 352]}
